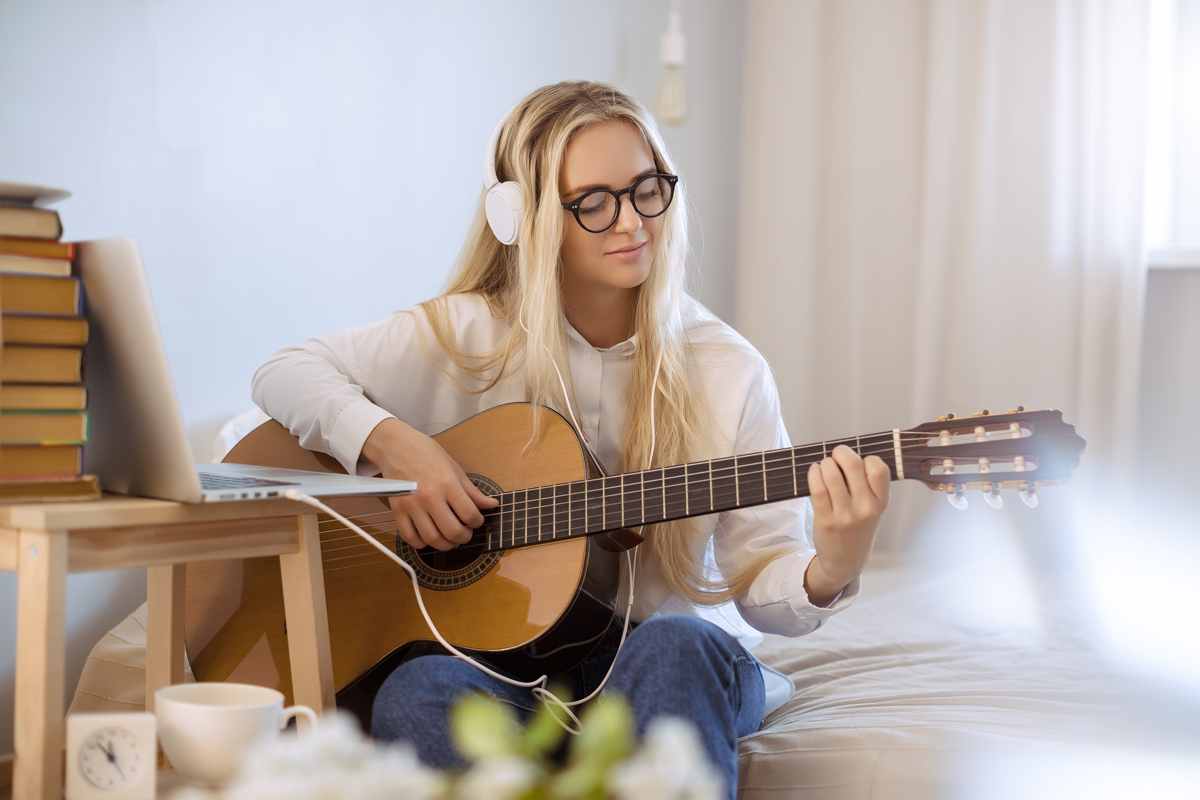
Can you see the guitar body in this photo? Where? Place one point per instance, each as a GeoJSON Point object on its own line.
{"type": "Point", "coordinates": [529, 611]}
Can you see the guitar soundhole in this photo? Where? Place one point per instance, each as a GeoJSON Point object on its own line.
{"type": "Point", "coordinates": [453, 569]}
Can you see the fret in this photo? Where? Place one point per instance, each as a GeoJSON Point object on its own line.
{"type": "Point", "coordinates": [749, 476]}
{"type": "Point", "coordinates": [674, 492]}
{"type": "Point", "coordinates": [764, 476]}
{"type": "Point", "coordinates": [779, 484]}
{"type": "Point", "coordinates": [824, 451]}
{"type": "Point", "coordinates": [613, 511]}
{"type": "Point", "coordinates": [562, 498]}
{"type": "Point", "coordinates": [721, 497]}
{"type": "Point", "coordinates": [631, 498]}
{"type": "Point", "coordinates": [699, 498]}
{"type": "Point", "coordinates": [577, 500]}
{"type": "Point", "coordinates": [506, 514]}
{"type": "Point", "coordinates": [595, 504]}
{"type": "Point", "coordinates": [724, 494]}
{"type": "Point", "coordinates": [858, 441]}
{"type": "Point", "coordinates": [524, 510]}
{"type": "Point", "coordinates": [652, 485]}
{"type": "Point", "coordinates": [795, 475]}
{"type": "Point", "coordinates": [534, 507]}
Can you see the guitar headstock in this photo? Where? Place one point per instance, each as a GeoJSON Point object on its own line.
{"type": "Point", "coordinates": [1020, 449]}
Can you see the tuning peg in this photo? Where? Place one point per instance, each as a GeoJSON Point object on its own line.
{"type": "Point", "coordinates": [987, 412]}
{"type": "Point", "coordinates": [1017, 410]}
{"type": "Point", "coordinates": [955, 496]}
{"type": "Point", "coordinates": [993, 497]}
{"type": "Point", "coordinates": [949, 416]}
{"type": "Point", "coordinates": [1029, 498]}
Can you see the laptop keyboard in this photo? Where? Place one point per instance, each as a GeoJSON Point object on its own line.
{"type": "Point", "coordinates": [212, 482]}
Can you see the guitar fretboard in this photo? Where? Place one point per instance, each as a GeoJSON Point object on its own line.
{"type": "Point", "coordinates": [568, 510]}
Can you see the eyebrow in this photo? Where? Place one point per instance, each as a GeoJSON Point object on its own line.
{"type": "Point", "coordinates": [590, 186]}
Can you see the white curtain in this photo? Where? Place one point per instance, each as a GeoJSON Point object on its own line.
{"type": "Point", "coordinates": [942, 211]}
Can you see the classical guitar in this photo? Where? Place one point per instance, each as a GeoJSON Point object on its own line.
{"type": "Point", "coordinates": [535, 588]}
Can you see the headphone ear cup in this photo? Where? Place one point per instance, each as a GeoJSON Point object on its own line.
{"type": "Point", "coordinates": [504, 209]}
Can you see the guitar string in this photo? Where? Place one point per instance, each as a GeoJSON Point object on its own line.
{"type": "Point", "coordinates": [781, 455]}
{"type": "Point", "coordinates": [544, 506]}
{"type": "Point", "coordinates": [777, 469]}
{"type": "Point", "coordinates": [547, 494]}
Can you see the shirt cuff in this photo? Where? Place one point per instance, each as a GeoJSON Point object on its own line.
{"type": "Point", "coordinates": [350, 431]}
{"type": "Point", "coordinates": [778, 603]}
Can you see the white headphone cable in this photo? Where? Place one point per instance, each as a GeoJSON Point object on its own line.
{"type": "Point", "coordinates": [537, 686]}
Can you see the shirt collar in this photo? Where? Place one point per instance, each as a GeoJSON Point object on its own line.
{"type": "Point", "coordinates": [627, 347]}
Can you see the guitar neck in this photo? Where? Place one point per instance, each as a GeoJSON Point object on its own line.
{"type": "Point", "coordinates": [569, 510]}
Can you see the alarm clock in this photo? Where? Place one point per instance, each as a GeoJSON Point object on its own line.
{"type": "Point", "coordinates": [111, 756]}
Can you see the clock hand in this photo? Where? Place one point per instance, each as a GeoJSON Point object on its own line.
{"type": "Point", "coordinates": [112, 759]}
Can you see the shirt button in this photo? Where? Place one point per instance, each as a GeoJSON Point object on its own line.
{"type": "Point", "coordinates": [587, 423]}
{"type": "Point", "coordinates": [591, 356]}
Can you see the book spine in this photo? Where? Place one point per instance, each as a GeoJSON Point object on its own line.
{"type": "Point", "coordinates": [38, 248]}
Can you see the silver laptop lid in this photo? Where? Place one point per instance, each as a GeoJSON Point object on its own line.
{"type": "Point", "coordinates": [137, 443]}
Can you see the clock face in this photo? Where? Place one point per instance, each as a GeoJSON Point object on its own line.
{"type": "Point", "coordinates": [113, 758]}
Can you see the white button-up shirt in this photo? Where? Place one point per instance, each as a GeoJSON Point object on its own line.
{"type": "Point", "coordinates": [333, 390]}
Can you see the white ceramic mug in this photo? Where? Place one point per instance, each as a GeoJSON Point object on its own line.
{"type": "Point", "coordinates": [206, 729]}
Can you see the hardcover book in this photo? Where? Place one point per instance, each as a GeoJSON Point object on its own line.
{"type": "Point", "coordinates": [31, 265]}
{"type": "Point", "coordinates": [32, 397]}
{"type": "Point", "coordinates": [41, 462]}
{"type": "Point", "coordinates": [40, 294]}
{"type": "Point", "coordinates": [30, 329]}
{"type": "Point", "coordinates": [26, 364]}
{"type": "Point", "coordinates": [43, 427]}
{"type": "Point", "coordinates": [31, 223]}
{"type": "Point", "coordinates": [74, 487]}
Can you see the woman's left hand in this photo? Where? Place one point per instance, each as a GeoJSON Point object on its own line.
{"type": "Point", "coordinates": [849, 495]}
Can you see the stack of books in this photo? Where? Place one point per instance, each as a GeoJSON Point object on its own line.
{"type": "Point", "coordinates": [43, 416]}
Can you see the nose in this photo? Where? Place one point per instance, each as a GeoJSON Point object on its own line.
{"type": "Point", "coordinates": [628, 220]}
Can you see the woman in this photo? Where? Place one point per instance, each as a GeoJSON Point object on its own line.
{"type": "Point", "coordinates": [586, 313]}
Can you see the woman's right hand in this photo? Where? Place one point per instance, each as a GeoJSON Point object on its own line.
{"type": "Point", "coordinates": [446, 506]}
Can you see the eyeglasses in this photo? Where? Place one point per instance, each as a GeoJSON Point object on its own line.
{"type": "Point", "coordinates": [597, 211]}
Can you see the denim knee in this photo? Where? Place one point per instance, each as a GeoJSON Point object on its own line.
{"type": "Point", "coordinates": [680, 641]}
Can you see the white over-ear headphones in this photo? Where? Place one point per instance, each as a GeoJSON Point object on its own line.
{"type": "Point", "coordinates": [503, 205]}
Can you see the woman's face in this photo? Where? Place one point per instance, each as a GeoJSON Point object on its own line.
{"type": "Point", "coordinates": [609, 155]}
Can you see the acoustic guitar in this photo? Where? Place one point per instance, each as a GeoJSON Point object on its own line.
{"type": "Point", "coordinates": [535, 588]}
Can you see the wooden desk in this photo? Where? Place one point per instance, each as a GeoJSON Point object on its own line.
{"type": "Point", "coordinates": [44, 542]}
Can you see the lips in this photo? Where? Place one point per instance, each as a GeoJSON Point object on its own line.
{"type": "Point", "coordinates": [632, 251]}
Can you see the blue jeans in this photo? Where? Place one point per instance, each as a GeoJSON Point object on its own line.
{"type": "Point", "coordinates": [674, 665]}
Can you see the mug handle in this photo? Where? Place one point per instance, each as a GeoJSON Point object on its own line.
{"type": "Point", "coordinates": [300, 711]}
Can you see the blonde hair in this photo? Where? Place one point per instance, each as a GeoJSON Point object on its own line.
{"type": "Point", "coordinates": [521, 285]}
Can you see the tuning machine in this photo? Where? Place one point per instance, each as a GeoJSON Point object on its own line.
{"type": "Point", "coordinates": [1028, 497]}
{"type": "Point", "coordinates": [955, 496]}
{"type": "Point", "coordinates": [992, 497]}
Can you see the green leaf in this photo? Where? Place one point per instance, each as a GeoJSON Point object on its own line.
{"type": "Point", "coordinates": [583, 781]}
{"type": "Point", "coordinates": [481, 726]}
{"type": "Point", "coordinates": [543, 733]}
{"type": "Point", "coordinates": [607, 733]}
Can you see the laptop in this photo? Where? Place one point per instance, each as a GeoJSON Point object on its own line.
{"type": "Point", "coordinates": [137, 443]}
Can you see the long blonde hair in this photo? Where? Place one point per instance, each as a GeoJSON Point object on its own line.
{"type": "Point", "coordinates": [521, 285]}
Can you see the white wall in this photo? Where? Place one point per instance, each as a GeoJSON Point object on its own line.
{"type": "Point", "coordinates": [294, 167]}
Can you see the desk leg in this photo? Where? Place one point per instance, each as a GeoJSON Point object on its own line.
{"type": "Point", "coordinates": [307, 621]}
{"type": "Point", "coordinates": [41, 642]}
{"type": "Point", "coordinates": [166, 589]}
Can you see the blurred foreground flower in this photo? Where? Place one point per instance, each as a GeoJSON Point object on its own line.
{"type": "Point", "coordinates": [671, 766]}
{"type": "Point", "coordinates": [507, 761]}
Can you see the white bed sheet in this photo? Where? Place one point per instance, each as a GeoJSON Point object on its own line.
{"type": "Point", "coordinates": [900, 695]}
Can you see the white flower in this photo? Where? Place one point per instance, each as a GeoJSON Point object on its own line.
{"type": "Point", "coordinates": [333, 763]}
{"type": "Point", "coordinates": [671, 765]}
{"type": "Point", "coordinates": [499, 777]}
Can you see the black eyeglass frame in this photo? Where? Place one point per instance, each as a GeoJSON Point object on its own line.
{"type": "Point", "coordinates": [574, 205]}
